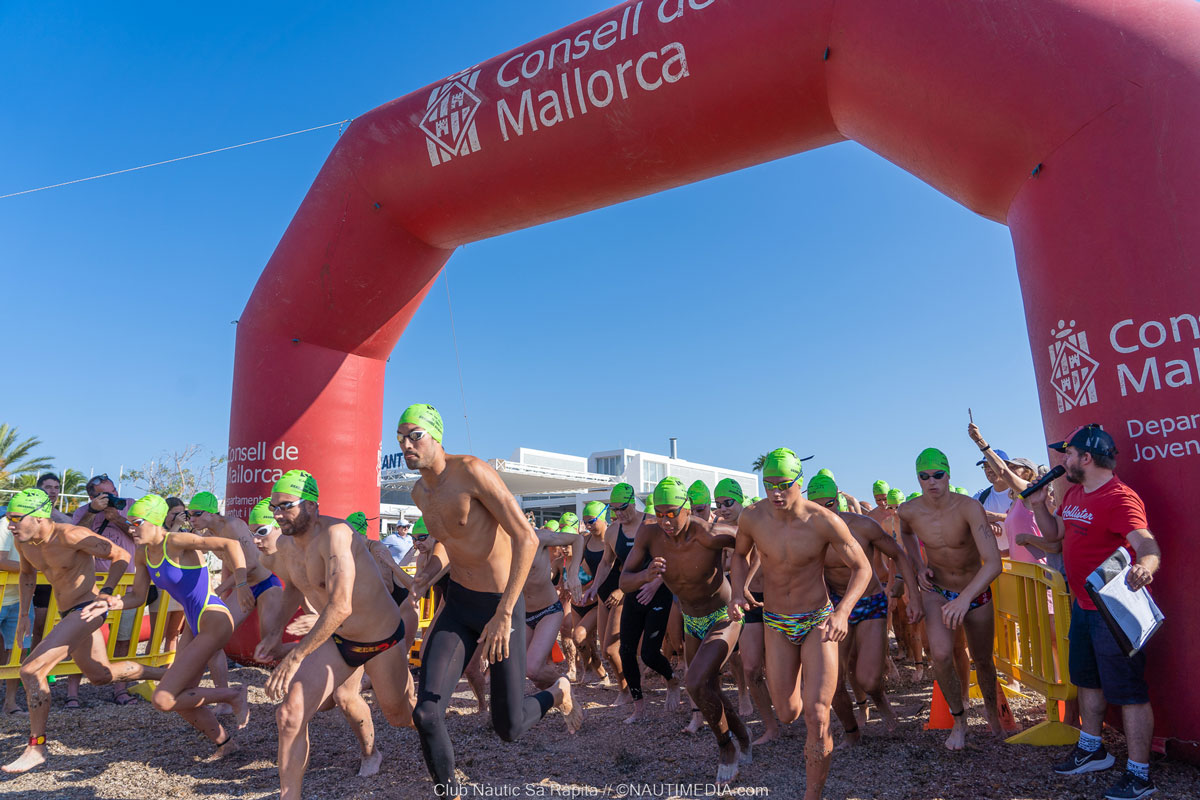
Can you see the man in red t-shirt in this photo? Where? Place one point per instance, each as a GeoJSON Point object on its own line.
{"type": "Point", "coordinates": [1098, 514]}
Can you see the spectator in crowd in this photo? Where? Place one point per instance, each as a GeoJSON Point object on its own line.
{"type": "Point", "coordinates": [399, 543]}
{"type": "Point", "coordinates": [1098, 514]}
{"type": "Point", "coordinates": [104, 513]}
{"type": "Point", "coordinates": [1020, 528]}
{"type": "Point", "coordinates": [52, 486]}
{"type": "Point", "coordinates": [995, 500]}
{"type": "Point", "coordinates": [10, 606]}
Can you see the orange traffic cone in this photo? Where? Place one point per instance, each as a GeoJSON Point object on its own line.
{"type": "Point", "coordinates": [939, 712]}
{"type": "Point", "coordinates": [1007, 721]}
{"type": "Point", "coordinates": [556, 654]}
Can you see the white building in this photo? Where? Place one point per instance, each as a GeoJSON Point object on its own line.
{"type": "Point", "coordinates": [550, 484]}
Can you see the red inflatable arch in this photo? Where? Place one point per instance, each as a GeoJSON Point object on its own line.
{"type": "Point", "coordinates": [1074, 122]}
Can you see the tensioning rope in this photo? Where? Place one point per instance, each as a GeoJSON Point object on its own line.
{"type": "Point", "coordinates": [173, 160]}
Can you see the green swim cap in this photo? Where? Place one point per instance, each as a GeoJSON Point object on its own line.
{"type": "Point", "coordinates": [621, 494]}
{"type": "Point", "coordinates": [698, 494]}
{"type": "Point", "coordinates": [895, 496]}
{"type": "Point", "coordinates": [728, 487]}
{"type": "Point", "coordinates": [299, 483]}
{"type": "Point", "coordinates": [30, 503]}
{"type": "Point", "coordinates": [261, 514]}
{"type": "Point", "coordinates": [551, 524]}
{"type": "Point", "coordinates": [914, 494]}
{"type": "Point", "coordinates": [822, 487]}
{"type": "Point", "coordinates": [842, 504]}
{"type": "Point", "coordinates": [671, 492]}
{"type": "Point", "coordinates": [568, 519]}
{"type": "Point", "coordinates": [753, 500]}
{"type": "Point", "coordinates": [782, 463]}
{"type": "Point", "coordinates": [151, 508]}
{"type": "Point", "coordinates": [594, 508]}
{"type": "Point", "coordinates": [827, 472]}
{"type": "Point", "coordinates": [204, 501]}
{"type": "Point", "coordinates": [958, 489]}
{"type": "Point", "coordinates": [649, 505]}
{"type": "Point", "coordinates": [419, 527]}
{"type": "Point", "coordinates": [931, 460]}
{"type": "Point", "coordinates": [358, 521]}
{"type": "Point", "coordinates": [880, 487]}
{"type": "Point", "coordinates": [425, 416]}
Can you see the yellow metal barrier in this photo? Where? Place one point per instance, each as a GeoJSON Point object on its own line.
{"type": "Point", "coordinates": [152, 654]}
{"type": "Point", "coordinates": [1033, 615]}
{"type": "Point", "coordinates": [425, 614]}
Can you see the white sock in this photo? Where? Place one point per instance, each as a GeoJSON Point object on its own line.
{"type": "Point", "coordinates": [1138, 768]}
{"type": "Point", "coordinates": [1088, 743]}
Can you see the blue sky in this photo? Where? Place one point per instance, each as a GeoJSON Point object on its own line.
{"type": "Point", "coordinates": [829, 302]}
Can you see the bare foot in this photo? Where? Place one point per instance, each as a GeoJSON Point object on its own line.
{"type": "Point", "coordinates": [849, 740]}
{"type": "Point", "coordinates": [727, 764]}
{"type": "Point", "coordinates": [745, 707]}
{"type": "Point", "coordinates": [15, 711]}
{"type": "Point", "coordinates": [745, 752]}
{"type": "Point", "coordinates": [673, 699]}
{"type": "Point", "coordinates": [221, 709]}
{"type": "Point", "coordinates": [639, 710]}
{"type": "Point", "coordinates": [623, 699]}
{"type": "Point", "coordinates": [919, 673]}
{"type": "Point", "coordinates": [696, 723]}
{"type": "Point", "coordinates": [893, 673]}
{"type": "Point", "coordinates": [993, 720]}
{"type": "Point", "coordinates": [225, 749]}
{"type": "Point", "coordinates": [242, 707]}
{"type": "Point", "coordinates": [32, 757]}
{"type": "Point", "coordinates": [769, 735]}
{"type": "Point", "coordinates": [573, 712]}
{"type": "Point", "coordinates": [370, 764]}
{"type": "Point", "coordinates": [957, 739]}
{"type": "Point", "coordinates": [890, 721]}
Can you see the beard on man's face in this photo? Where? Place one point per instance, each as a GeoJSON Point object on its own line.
{"type": "Point", "coordinates": [1075, 473]}
{"type": "Point", "coordinates": [299, 525]}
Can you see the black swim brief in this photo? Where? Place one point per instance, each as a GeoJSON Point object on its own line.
{"type": "Point", "coordinates": [355, 654]}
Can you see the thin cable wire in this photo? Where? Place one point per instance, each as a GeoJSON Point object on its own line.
{"type": "Point", "coordinates": [173, 160]}
{"type": "Point", "coordinates": [454, 338]}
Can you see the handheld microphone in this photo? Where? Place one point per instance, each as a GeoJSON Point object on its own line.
{"type": "Point", "coordinates": [1057, 472]}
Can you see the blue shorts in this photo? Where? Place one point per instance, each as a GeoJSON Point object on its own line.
{"type": "Point", "coordinates": [263, 585]}
{"type": "Point", "coordinates": [8, 624]}
{"type": "Point", "coordinates": [1097, 662]}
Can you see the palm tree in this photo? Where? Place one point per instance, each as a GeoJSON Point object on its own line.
{"type": "Point", "coordinates": [73, 481]}
{"type": "Point", "coordinates": [758, 463]}
{"type": "Point", "coordinates": [17, 458]}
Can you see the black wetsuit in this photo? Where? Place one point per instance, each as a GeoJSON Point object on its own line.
{"type": "Point", "coordinates": [646, 622]}
{"type": "Point", "coordinates": [613, 581]}
{"type": "Point", "coordinates": [451, 643]}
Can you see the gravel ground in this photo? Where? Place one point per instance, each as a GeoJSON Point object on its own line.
{"type": "Point", "coordinates": [104, 751]}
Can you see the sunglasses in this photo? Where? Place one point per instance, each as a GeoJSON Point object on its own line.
{"type": "Point", "coordinates": [937, 476]}
{"type": "Point", "coordinates": [782, 487]}
{"type": "Point", "coordinates": [412, 436]}
{"type": "Point", "coordinates": [726, 503]}
{"type": "Point", "coordinates": [98, 479]}
{"type": "Point", "coordinates": [421, 538]}
{"type": "Point", "coordinates": [275, 509]}
{"type": "Point", "coordinates": [670, 513]}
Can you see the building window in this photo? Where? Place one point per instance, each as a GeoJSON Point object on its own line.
{"type": "Point", "coordinates": [608, 465]}
{"type": "Point", "coordinates": [652, 473]}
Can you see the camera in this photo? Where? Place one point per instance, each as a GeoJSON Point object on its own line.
{"type": "Point", "coordinates": [115, 502]}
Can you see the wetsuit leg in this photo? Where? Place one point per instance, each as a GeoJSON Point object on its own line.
{"type": "Point", "coordinates": [513, 712]}
{"type": "Point", "coordinates": [647, 623]}
{"type": "Point", "coordinates": [450, 645]}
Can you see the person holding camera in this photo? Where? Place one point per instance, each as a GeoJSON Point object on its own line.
{"type": "Point", "coordinates": [104, 514]}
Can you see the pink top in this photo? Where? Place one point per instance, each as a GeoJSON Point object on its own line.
{"type": "Point", "coordinates": [110, 532]}
{"type": "Point", "coordinates": [1020, 520]}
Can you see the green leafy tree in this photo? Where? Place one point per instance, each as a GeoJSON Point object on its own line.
{"type": "Point", "coordinates": [18, 457]}
{"type": "Point", "coordinates": [181, 473]}
{"type": "Point", "coordinates": [758, 463]}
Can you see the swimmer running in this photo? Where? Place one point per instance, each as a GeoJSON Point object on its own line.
{"type": "Point", "coordinates": [489, 546]}
{"type": "Point", "coordinates": [792, 536]}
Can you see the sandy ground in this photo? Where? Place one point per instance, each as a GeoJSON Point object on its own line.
{"type": "Point", "coordinates": [105, 751]}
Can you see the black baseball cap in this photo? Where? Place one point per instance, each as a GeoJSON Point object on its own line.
{"type": "Point", "coordinates": [1090, 439]}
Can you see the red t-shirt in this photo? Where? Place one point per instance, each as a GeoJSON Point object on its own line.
{"type": "Point", "coordinates": [1096, 524]}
